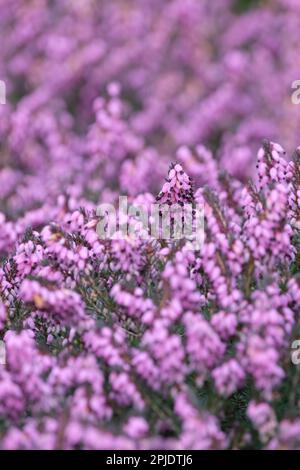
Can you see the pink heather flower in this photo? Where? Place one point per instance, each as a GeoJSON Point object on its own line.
{"type": "Point", "coordinates": [178, 187]}
{"type": "Point", "coordinates": [287, 437]}
{"type": "Point", "coordinates": [225, 324]}
{"type": "Point", "coordinates": [2, 316]}
{"type": "Point", "coordinates": [65, 306]}
{"type": "Point", "coordinates": [203, 345]}
{"type": "Point", "coordinates": [12, 402]}
{"type": "Point", "coordinates": [262, 361]}
{"type": "Point", "coordinates": [263, 419]}
{"type": "Point", "coordinates": [228, 377]}
{"type": "Point", "coordinates": [166, 350]}
{"type": "Point", "coordinates": [200, 430]}
{"type": "Point", "coordinates": [136, 427]}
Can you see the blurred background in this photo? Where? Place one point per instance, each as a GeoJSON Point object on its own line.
{"type": "Point", "coordinates": [102, 94]}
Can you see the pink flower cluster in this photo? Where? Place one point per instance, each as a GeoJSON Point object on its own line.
{"type": "Point", "coordinates": [146, 343]}
{"type": "Point", "coordinates": [168, 354]}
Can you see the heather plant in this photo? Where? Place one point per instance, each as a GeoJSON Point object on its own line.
{"type": "Point", "coordinates": [146, 342]}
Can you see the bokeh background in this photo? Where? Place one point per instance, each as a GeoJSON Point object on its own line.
{"type": "Point", "coordinates": [101, 94]}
